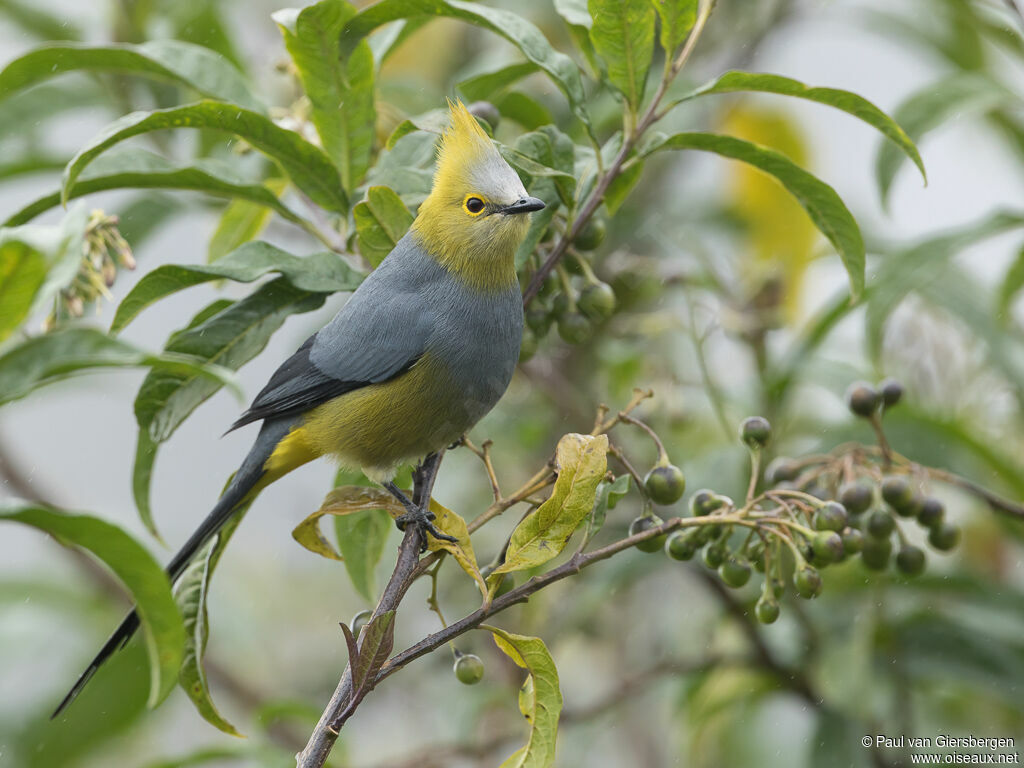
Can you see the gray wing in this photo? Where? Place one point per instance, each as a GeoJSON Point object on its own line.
{"type": "Point", "coordinates": [380, 333]}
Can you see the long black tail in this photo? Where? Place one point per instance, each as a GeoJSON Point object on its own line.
{"type": "Point", "coordinates": [248, 475]}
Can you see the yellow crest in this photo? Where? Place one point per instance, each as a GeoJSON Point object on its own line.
{"type": "Point", "coordinates": [463, 146]}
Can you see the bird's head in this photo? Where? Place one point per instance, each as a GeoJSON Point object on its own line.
{"type": "Point", "coordinates": [477, 212]}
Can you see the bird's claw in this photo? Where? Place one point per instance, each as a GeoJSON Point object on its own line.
{"type": "Point", "coordinates": [424, 519]}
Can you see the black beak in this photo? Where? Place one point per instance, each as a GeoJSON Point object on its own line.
{"type": "Point", "coordinates": [525, 205]}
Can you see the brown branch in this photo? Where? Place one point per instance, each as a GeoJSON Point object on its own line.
{"type": "Point", "coordinates": [996, 502]}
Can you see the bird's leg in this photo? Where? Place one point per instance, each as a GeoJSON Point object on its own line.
{"type": "Point", "coordinates": [418, 508]}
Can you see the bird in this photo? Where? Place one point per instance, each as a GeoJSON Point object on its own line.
{"type": "Point", "coordinates": [422, 350]}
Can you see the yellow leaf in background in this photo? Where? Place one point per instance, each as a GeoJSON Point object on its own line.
{"type": "Point", "coordinates": [781, 236]}
{"type": "Point", "coordinates": [449, 522]}
{"type": "Point", "coordinates": [581, 461]}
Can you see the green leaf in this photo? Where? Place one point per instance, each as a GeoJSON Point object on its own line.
{"type": "Point", "coordinates": [340, 91]}
{"type": "Point", "coordinates": [517, 30]}
{"type": "Point", "coordinates": [848, 102]}
{"type": "Point", "coordinates": [608, 495]}
{"type": "Point", "coordinates": [581, 461]}
{"type": "Point", "coordinates": [837, 741]}
{"type": "Point", "coordinates": [43, 25]}
{"type": "Point", "coordinates": [230, 338]}
{"type": "Point", "coordinates": [307, 166]}
{"type": "Point", "coordinates": [677, 19]}
{"type": "Point", "coordinates": [826, 209]}
{"type": "Point", "coordinates": [526, 111]}
{"type": "Point", "coordinates": [361, 538]}
{"type": "Point", "coordinates": [181, 63]}
{"type": "Point", "coordinates": [1008, 289]}
{"type": "Point", "coordinates": [620, 187]}
{"type": "Point", "coordinates": [486, 86]}
{"type": "Point", "coordinates": [241, 222]}
{"type": "Point", "coordinates": [22, 272]}
{"type": "Point", "coordinates": [541, 703]}
{"type": "Point", "coordinates": [574, 12]}
{"type": "Point", "coordinates": [623, 36]}
{"type": "Point", "coordinates": [139, 169]}
{"type": "Point", "coordinates": [381, 221]}
{"type": "Point", "coordinates": [55, 356]}
{"type": "Point", "coordinates": [540, 221]}
{"type": "Point", "coordinates": [317, 273]}
{"type": "Point", "coordinates": [377, 640]}
{"type": "Point", "coordinates": [191, 593]}
{"type": "Point", "coordinates": [957, 96]}
{"type": "Point", "coordinates": [142, 478]}
{"type": "Point", "coordinates": [909, 269]}
{"type": "Point", "coordinates": [38, 104]}
{"type": "Point", "coordinates": [146, 581]}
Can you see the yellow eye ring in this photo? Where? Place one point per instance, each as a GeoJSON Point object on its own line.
{"type": "Point", "coordinates": [473, 205]}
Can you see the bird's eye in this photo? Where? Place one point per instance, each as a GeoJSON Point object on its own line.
{"type": "Point", "coordinates": [473, 205]}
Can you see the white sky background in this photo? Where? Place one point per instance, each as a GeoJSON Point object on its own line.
{"type": "Point", "coordinates": [77, 441]}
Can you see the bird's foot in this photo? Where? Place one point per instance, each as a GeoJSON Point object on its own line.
{"type": "Point", "coordinates": [423, 518]}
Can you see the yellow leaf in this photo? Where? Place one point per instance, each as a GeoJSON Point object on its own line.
{"type": "Point", "coordinates": [581, 461]}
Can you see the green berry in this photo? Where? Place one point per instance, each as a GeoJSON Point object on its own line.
{"type": "Point", "coordinates": [830, 517]}
{"type": "Point", "coordinates": [856, 496]}
{"type": "Point", "coordinates": [574, 328]}
{"type": "Point", "coordinates": [931, 513]}
{"type": "Point", "coordinates": [358, 621]}
{"type": "Point", "coordinates": [880, 524]}
{"type": "Point", "coordinates": [539, 321]}
{"type": "Point", "coordinates": [876, 553]}
{"type": "Point", "coordinates": [703, 502]}
{"type": "Point", "coordinates": [891, 391]}
{"type": "Point", "coordinates": [755, 431]}
{"type": "Point", "coordinates": [527, 346]}
{"type": "Point", "coordinates": [560, 306]}
{"type": "Point", "coordinates": [714, 554]}
{"type": "Point", "coordinates": [597, 301]}
{"type": "Point", "coordinates": [681, 545]}
{"type": "Point", "coordinates": [862, 399]}
{"type": "Point", "coordinates": [853, 540]}
{"type": "Point", "coordinates": [755, 553]}
{"type": "Point", "coordinates": [818, 491]}
{"type": "Point", "coordinates": [645, 523]}
{"type": "Point", "coordinates": [781, 470]}
{"type": "Point", "coordinates": [469, 669]}
{"type": "Point", "coordinates": [807, 581]}
{"type": "Point", "coordinates": [944, 536]}
{"type": "Point", "coordinates": [735, 571]}
{"type": "Point", "coordinates": [897, 492]}
{"type": "Point", "coordinates": [766, 610]}
{"type": "Point", "coordinates": [592, 234]}
{"type": "Point", "coordinates": [665, 484]}
{"type": "Point", "coordinates": [827, 547]}
{"type": "Point", "coordinates": [910, 560]}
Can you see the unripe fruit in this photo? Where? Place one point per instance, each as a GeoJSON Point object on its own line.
{"type": "Point", "coordinates": [880, 524]}
{"type": "Point", "coordinates": [527, 346]}
{"type": "Point", "coordinates": [780, 470]}
{"type": "Point", "coordinates": [862, 399]}
{"type": "Point", "coordinates": [714, 554]}
{"type": "Point", "coordinates": [703, 502]}
{"type": "Point", "coordinates": [681, 545]}
{"type": "Point", "coordinates": [876, 553]}
{"type": "Point", "coordinates": [645, 523]}
{"type": "Point", "coordinates": [766, 610]}
{"type": "Point", "coordinates": [469, 669]}
{"type": "Point", "coordinates": [944, 536]}
{"type": "Point", "coordinates": [827, 547]}
{"type": "Point", "coordinates": [485, 111]}
{"type": "Point", "coordinates": [755, 554]}
{"type": "Point", "coordinates": [597, 301]}
{"type": "Point", "coordinates": [560, 306]}
{"type": "Point", "coordinates": [818, 491]}
{"type": "Point", "coordinates": [539, 321]}
{"type": "Point", "coordinates": [574, 328]}
{"type": "Point", "coordinates": [931, 513]}
{"type": "Point", "coordinates": [665, 484]}
{"type": "Point", "coordinates": [807, 582]}
{"type": "Point", "coordinates": [853, 540]}
{"type": "Point", "coordinates": [830, 517]}
{"type": "Point", "coordinates": [897, 492]}
{"type": "Point", "coordinates": [755, 431]}
{"type": "Point", "coordinates": [856, 496]}
{"type": "Point", "coordinates": [358, 621]}
{"type": "Point", "coordinates": [891, 392]}
{"type": "Point", "coordinates": [735, 571]}
{"type": "Point", "coordinates": [910, 560]}
{"type": "Point", "coordinates": [912, 507]}
{"type": "Point", "coordinates": [592, 234]}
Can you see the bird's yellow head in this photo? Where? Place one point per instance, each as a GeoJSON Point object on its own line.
{"type": "Point", "coordinates": [475, 216]}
